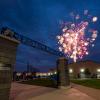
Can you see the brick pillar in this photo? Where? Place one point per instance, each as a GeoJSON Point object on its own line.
{"type": "Point", "coordinates": [8, 49]}
{"type": "Point", "coordinates": [63, 73]}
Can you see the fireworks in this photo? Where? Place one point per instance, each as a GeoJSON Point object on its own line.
{"type": "Point", "coordinates": [73, 41]}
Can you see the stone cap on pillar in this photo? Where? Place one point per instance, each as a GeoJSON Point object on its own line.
{"type": "Point", "coordinates": [9, 38]}
{"type": "Point", "coordinates": [8, 48]}
{"type": "Point", "coordinates": [62, 59]}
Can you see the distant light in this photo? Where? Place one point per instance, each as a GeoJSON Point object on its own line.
{"type": "Point", "coordinates": [82, 70]}
{"type": "Point", "coordinates": [49, 74]}
{"type": "Point", "coordinates": [28, 73]}
{"type": "Point", "coordinates": [41, 74]}
{"type": "Point", "coordinates": [37, 74]}
{"type": "Point", "coordinates": [55, 72]}
{"type": "Point", "coordinates": [98, 70]}
{"type": "Point", "coordinates": [94, 19]}
{"type": "Point", "coordinates": [44, 74]}
{"type": "Point", "coordinates": [18, 74]}
{"type": "Point", "coordinates": [70, 70]}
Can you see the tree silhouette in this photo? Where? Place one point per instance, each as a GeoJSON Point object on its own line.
{"type": "Point", "coordinates": [87, 73]}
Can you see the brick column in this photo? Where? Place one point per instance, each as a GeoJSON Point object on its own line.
{"type": "Point", "coordinates": [8, 49]}
{"type": "Point", "coordinates": [63, 73]}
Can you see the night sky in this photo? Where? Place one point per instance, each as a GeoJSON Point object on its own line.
{"type": "Point", "coordinates": [39, 20]}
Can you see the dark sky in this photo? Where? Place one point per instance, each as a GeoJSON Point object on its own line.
{"type": "Point", "coordinates": [39, 20]}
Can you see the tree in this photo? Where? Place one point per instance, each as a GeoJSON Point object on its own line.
{"type": "Point", "coordinates": [87, 73]}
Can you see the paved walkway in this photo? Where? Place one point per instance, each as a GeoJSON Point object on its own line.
{"type": "Point", "coordinates": [67, 94]}
{"type": "Point", "coordinates": [30, 92]}
{"type": "Point", "coordinates": [25, 92]}
{"type": "Point", "coordinates": [95, 93]}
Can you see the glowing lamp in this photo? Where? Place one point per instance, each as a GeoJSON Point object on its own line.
{"type": "Point", "coordinates": [82, 70]}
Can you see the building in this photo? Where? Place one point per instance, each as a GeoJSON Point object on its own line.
{"type": "Point", "coordinates": [84, 69]}
{"type": "Point", "coordinates": [81, 69]}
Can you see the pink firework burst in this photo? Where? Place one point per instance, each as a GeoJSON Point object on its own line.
{"type": "Point", "coordinates": [73, 41]}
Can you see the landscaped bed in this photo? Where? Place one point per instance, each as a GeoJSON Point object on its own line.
{"type": "Point", "coordinates": [41, 82]}
{"type": "Point", "coordinates": [93, 83]}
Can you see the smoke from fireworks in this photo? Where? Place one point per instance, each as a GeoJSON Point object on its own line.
{"type": "Point", "coordinates": [73, 41]}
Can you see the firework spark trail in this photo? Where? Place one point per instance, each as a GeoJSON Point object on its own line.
{"type": "Point", "coordinates": [73, 41]}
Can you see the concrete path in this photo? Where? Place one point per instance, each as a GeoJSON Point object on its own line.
{"type": "Point", "coordinates": [30, 92]}
{"type": "Point", "coordinates": [25, 92]}
{"type": "Point", "coordinates": [64, 94]}
{"type": "Point", "coordinates": [95, 93]}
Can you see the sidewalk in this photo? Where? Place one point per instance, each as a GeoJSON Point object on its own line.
{"type": "Point", "coordinates": [25, 92]}
{"type": "Point", "coordinates": [95, 93]}
{"type": "Point", "coordinates": [68, 94]}
{"type": "Point", "coordinates": [31, 92]}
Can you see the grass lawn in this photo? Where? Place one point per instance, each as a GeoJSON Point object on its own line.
{"type": "Point", "coordinates": [93, 83]}
{"type": "Point", "coordinates": [41, 82]}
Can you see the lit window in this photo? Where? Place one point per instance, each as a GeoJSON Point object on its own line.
{"type": "Point", "coordinates": [70, 70]}
{"type": "Point", "coordinates": [82, 70]}
{"type": "Point", "coordinates": [98, 70]}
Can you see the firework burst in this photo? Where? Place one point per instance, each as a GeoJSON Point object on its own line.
{"type": "Point", "coordinates": [73, 41]}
